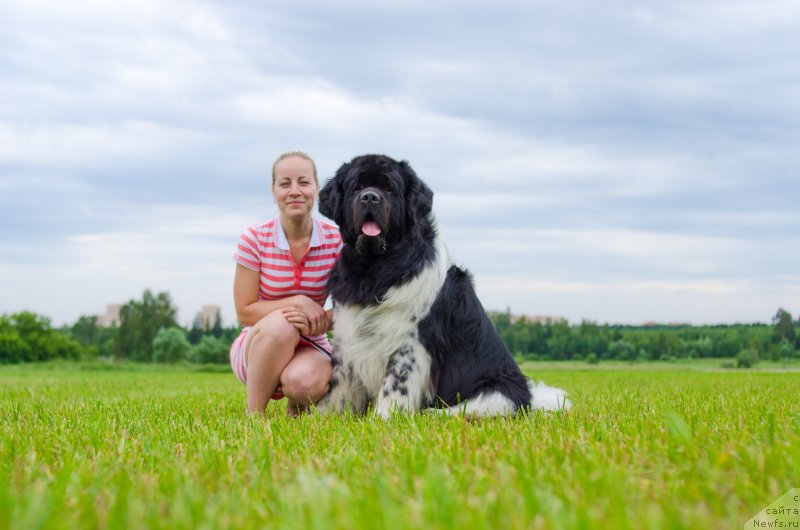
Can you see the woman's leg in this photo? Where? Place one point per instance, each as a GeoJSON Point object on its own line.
{"type": "Point", "coordinates": [305, 378]}
{"type": "Point", "coordinates": [270, 347]}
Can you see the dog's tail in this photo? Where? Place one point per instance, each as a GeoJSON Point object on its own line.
{"type": "Point", "coordinates": [545, 397]}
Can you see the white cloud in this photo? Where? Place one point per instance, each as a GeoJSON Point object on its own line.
{"type": "Point", "coordinates": [634, 302]}
{"type": "Point", "coordinates": [89, 145]}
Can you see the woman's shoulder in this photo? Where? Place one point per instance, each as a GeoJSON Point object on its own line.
{"type": "Point", "coordinates": [262, 231]}
{"type": "Point", "coordinates": [329, 230]}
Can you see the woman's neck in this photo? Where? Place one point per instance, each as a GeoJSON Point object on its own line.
{"type": "Point", "coordinates": [296, 229]}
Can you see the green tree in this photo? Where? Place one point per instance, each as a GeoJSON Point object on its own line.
{"type": "Point", "coordinates": [140, 321]}
{"type": "Point", "coordinates": [85, 330]}
{"type": "Point", "coordinates": [787, 351]}
{"type": "Point", "coordinates": [12, 348]}
{"type": "Point", "coordinates": [210, 350]}
{"type": "Point", "coordinates": [622, 350]}
{"type": "Point", "coordinates": [32, 328]}
{"type": "Point", "coordinates": [592, 338]}
{"type": "Point", "coordinates": [170, 345]}
{"type": "Point", "coordinates": [216, 329]}
{"type": "Point", "coordinates": [747, 358]}
{"type": "Point", "coordinates": [560, 343]}
{"type": "Point", "coordinates": [700, 347]}
{"type": "Point", "coordinates": [196, 332]}
{"type": "Point", "coordinates": [520, 337]}
{"type": "Point", "coordinates": [664, 345]}
{"type": "Point", "coordinates": [783, 326]}
{"type": "Point", "coordinates": [230, 333]}
{"type": "Point", "coordinates": [96, 340]}
{"type": "Point", "coordinates": [727, 343]}
{"type": "Point", "coordinates": [26, 336]}
{"type": "Point", "coordinates": [57, 346]}
{"type": "Point", "coordinates": [539, 334]}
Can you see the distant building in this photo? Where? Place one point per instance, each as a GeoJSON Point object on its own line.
{"type": "Point", "coordinates": [546, 320]}
{"type": "Point", "coordinates": [654, 324]}
{"type": "Point", "coordinates": [111, 316]}
{"type": "Point", "coordinates": [208, 316]}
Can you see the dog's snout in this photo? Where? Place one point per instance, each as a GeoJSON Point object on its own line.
{"type": "Point", "coordinates": [370, 198]}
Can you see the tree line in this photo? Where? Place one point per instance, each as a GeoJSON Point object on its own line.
{"type": "Point", "coordinates": [558, 340]}
{"type": "Point", "coordinates": [149, 332]}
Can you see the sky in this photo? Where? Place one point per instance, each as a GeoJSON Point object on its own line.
{"type": "Point", "coordinates": [613, 161]}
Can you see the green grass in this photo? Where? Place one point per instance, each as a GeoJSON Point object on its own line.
{"type": "Point", "coordinates": [647, 446]}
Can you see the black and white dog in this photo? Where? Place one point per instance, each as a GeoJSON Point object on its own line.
{"type": "Point", "coordinates": [409, 330]}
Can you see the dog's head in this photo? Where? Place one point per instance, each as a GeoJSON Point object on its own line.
{"type": "Point", "coordinates": [376, 201]}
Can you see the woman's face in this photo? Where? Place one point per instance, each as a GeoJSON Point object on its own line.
{"type": "Point", "coordinates": [295, 188]}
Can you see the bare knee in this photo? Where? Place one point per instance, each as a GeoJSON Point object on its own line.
{"type": "Point", "coordinates": [306, 382]}
{"type": "Point", "coordinates": [271, 332]}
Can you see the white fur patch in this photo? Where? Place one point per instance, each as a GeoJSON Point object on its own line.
{"type": "Point", "coordinates": [547, 397]}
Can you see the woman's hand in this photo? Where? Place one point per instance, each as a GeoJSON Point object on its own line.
{"type": "Point", "coordinates": [316, 317]}
{"type": "Point", "coordinates": [297, 318]}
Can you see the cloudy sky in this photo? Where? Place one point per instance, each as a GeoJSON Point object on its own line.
{"type": "Point", "coordinates": [618, 161]}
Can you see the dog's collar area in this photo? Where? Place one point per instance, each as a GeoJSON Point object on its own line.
{"type": "Point", "coordinates": [371, 246]}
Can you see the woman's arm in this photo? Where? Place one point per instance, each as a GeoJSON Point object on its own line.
{"type": "Point", "coordinates": [249, 310]}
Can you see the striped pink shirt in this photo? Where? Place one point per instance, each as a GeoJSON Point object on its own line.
{"type": "Point", "coordinates": [264, 248]}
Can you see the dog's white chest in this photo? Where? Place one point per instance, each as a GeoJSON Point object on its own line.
{"type": "Point", "coordinates": [365, 339]}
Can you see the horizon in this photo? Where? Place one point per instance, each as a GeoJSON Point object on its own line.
{"type": "Point", "coordinates": [187, 321]}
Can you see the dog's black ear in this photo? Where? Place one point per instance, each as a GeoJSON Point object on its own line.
{"type": "Point", "coordinates": [331, 197]}
{"type": "Point", "coordinates": [419, 196]}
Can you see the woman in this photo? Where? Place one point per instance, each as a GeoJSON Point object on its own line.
{"type": "Point", "coordinates": [282, 268]}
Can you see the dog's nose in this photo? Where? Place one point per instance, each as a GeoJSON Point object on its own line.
{"type": "Point", "coordinates": [370, 197]}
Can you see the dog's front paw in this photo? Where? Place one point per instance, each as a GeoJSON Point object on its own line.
{"type": "Point", "coordinates": [387, 409]}
{"type": "Point", "coordinates": [385, 414]}
{"type": "Point", "coordinates": [324, 405]}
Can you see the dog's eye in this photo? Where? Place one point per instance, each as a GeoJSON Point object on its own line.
{"type": "Point", "coordinates": [388, 189]}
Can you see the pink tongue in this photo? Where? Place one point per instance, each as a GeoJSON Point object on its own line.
{"type": "Point", "coordinates": [371, 229]}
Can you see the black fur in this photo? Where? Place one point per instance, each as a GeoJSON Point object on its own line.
{"type": "Point", "coordinates": [469, 357]}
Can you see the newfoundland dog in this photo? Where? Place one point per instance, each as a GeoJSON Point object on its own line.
{"type": "Point", "coordinates": [410, 332]}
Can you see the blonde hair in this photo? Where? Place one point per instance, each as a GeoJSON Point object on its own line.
{"type": "Point", "coordinates": [298, 154]}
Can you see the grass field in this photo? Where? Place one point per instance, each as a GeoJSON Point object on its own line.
{"type": "Point", "coordinates": [649, 446]}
